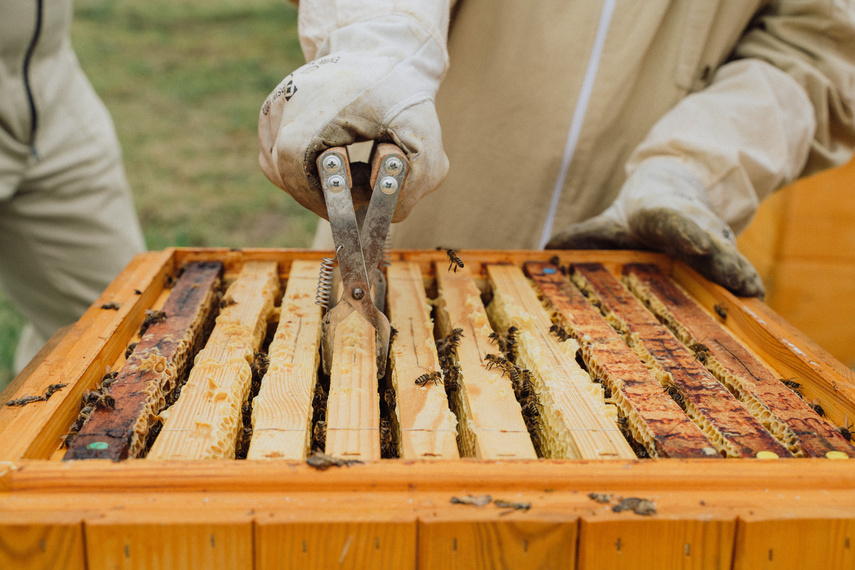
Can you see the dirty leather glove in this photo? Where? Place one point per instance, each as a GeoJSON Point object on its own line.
{"type": "Point", "coordinates": [663, 207]}
{"type": "Point", "coordinates": [372, 79]}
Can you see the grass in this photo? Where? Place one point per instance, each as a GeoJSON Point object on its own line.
{"type": "Point", "coordinates": [184, 82]}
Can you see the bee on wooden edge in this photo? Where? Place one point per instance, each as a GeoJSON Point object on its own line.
{"type": "Point", "coordinates": [151, 317]}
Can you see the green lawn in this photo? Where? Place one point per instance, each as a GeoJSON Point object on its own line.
{"type": "Point", "coordinates": [184, 82]}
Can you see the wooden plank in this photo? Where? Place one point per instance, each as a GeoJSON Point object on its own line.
{"type": "Point", "coordinates": [731, 428]}
{"type": "Point", "coordinates": [353, 404]}
{"type": "Point", "coordinates": [475, 259]}
{"type": "Point", "coordinates": [162, 544]}
{"type": "Point", "coordinates": [652, 416]}
{"type": "Point", "coordinates": [610, 541]}
{"type": "Point", "coordinates": [282, 410]}
{"type": "Point", "coordinates": [147, 476]}
{"type": "Point", "coordinates": [427, 427]}
{"type": "Point", "coordinates": [572, 411]}
{"type": "Point", "coordinates": [451, 545]}
{"type": "Point", "coordinates": [80, 360]}
{"type": "Point", "coordinates": [204, 422]}
{"type": "Point", "coordinates": [54, 544]}
{"type": "Point", "coordinates": [321, 543]}
{"type": "Point", "coordinates": [778, 407]}
{"type": "Point", "coordinates": [794, 542]}
{"type": "Point", "coordinates": [151, 373]}
{"type": "Point", "coordinates": [793, 355]}
{"type": "Point", "coordinates": [490, 422]}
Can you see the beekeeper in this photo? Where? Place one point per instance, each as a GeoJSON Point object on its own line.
{"type": "Point", "coordinates": [599, 124]}
{"type": "Point", "coordinates": [67, 221]}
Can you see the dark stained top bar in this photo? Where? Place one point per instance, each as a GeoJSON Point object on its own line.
{"type": "Point", "coordinates": [728, 423]}
{"type": "Point", "coordinates": [158, 361]}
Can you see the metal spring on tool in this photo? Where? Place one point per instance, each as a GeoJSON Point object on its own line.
{"type": "Point", "coordinates": [325, 279]}
{"type": "Point", "coordinates": [386, 260]}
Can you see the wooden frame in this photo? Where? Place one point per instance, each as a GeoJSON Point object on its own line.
{"type": "Point", "coordinates": [735, 513]}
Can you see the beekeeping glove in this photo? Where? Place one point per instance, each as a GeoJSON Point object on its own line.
{"type": "Point", "coordinates": [375, 68]}
{"type": "Point", "coordinates": [663, 207]}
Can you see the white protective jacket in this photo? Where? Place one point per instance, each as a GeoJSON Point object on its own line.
{"type": "Point", "coordinates": [549, 105]}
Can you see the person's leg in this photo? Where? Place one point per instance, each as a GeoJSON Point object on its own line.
{"type": "Point", "coordinates": [71, 225]}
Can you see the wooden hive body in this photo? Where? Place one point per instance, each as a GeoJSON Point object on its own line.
{"type": "Point", "coordinates": [428, 508]}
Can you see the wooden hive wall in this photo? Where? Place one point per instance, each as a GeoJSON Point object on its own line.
{"type": "Point", "coordinates": [434, 512]}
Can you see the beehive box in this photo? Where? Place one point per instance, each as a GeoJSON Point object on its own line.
{"type": "Point", "coordinates": [471, 512]}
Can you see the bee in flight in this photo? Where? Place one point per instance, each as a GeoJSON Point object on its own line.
{"type": "Point", "coordinates": [454, 260]}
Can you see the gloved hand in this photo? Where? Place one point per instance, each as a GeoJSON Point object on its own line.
{"type": "Point", "coordinates": [663, 207]}
{"type": "Point", "coordinates": [373, 79]}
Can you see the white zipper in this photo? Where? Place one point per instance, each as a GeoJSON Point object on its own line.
{"type": "Point", "coordinates": [578, 116]}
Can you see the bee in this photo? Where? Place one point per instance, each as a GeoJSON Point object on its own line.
{"type": "Point", "coordinates": [475, 501]}
{"type": "Point", "coordinates": [445, 346]}
{"type": "Point", "coordinates": [260, 362]}
{"type": "Point", "coordinates": [559, 332]}
{"type": "Point", "coordinates": [109, 379]}
{"type": "Point", "coordinates": [435, 377]}
{"type": "Point", "coordinates": [452, 376]}
{"type": "Point", "coordinates": [227, 302]}
{"type": "Point", "coordinates": [25, 400]}
{"type": "Point", "coordinates": [524, 387]}
{"type": "Point", "coordinates": [496, 338]}
{"type": "Point", "coordinates": [392, 334]}
{"type": "Point", "coordinates": [322, 461]}
{"type": "Point", "coordinates": [389, 396]}
{"type": "Point", "coordinates": [701, 351]}
{"type": "Point", "coordinates": [454, 260]}
{"type": "Point", "coordinates": [151, 317]}
{"type": "Point", "coordinates": [846, 432]}
{"type": "Point", "coordinates": [130, 349]}
{"type": "Point", "coordinates": [111, 306]}
{"type": "Point", "coordinates": [511, 340]}
{"type": "Point", "coordinates": [319, 435]}
{"type": "Point", "coordinates": [676, 395]}
{"type": "Point", "coordinates": [502, 504]}
{"type": "Point", "coordinates": [721, 312]}
{"type": "Point", "coordinates": [513, 372]}
{"type": "Point", "coordinates": [385, 438]}
{"type": "Point", "coordinates": [99, 399]}
{"type": "Point", "coordinates": [495, 360]}
{"type": "Point", "coordinates": [793, 385]}
{"type": "Point", "coordinates": [817, 408]}
{"type": "Point", "coordinates": [529, 406]}
{"type": "Point", "coordinates": [319, 400]}
{"type": "Point", "coordinates": [50, 390]}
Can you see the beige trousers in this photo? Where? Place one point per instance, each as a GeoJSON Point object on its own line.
{"type": "Point", "coordinates": [67, 219]}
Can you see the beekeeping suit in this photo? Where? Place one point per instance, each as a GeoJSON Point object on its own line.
{"type": "Point", "coordinates": [67, 222]}
{"type": "Point", "coordinates": [659, 124]}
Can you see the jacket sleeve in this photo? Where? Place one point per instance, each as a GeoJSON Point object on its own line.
{"type": "Point", "coordinates": [780, 108]}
